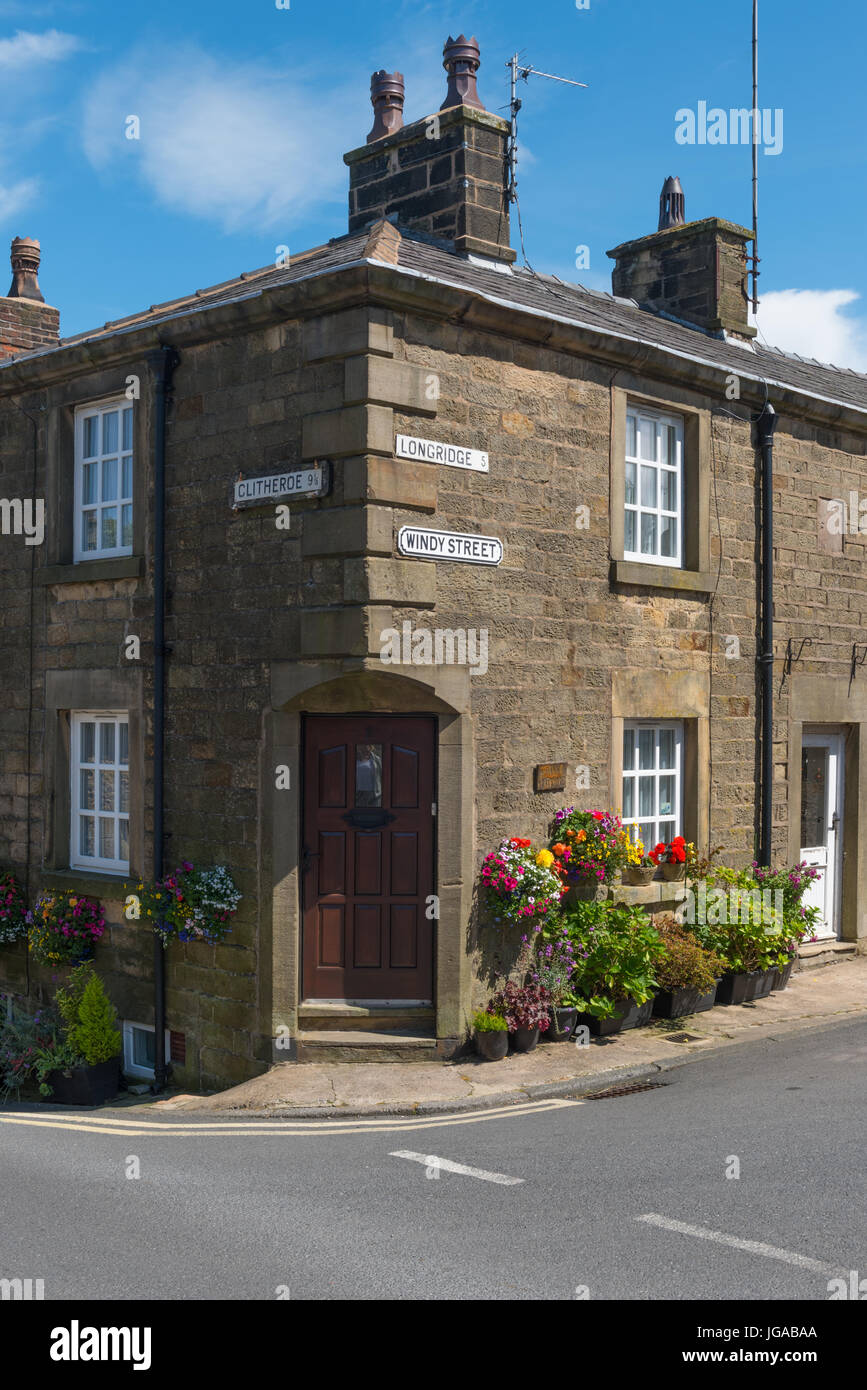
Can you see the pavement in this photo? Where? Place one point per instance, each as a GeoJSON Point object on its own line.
{"type": "Point", "coordinates": [814, 1000]}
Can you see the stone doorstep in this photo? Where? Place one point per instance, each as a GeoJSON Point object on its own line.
{"type": "Point", "coordinates": [377, 1018]}
{"type": "Point", "coordinates": [819, 953]}
{"type": "Point", "coordinates": [367, 1045]}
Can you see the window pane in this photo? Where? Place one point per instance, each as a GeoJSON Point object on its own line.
{"type": "Point", "coordinates": [143, 1049]}
{"type": "Point", "coordinates": [127, 478]}
{"type": "Point", "coordinates": [85, 836]}
{"type": "Point", "coordinates": [106, 743]}
{"type": "Point", "coordinates": [630, 484]}
{"type": "Point", "coordinates": [646, 796]}
{"type": "Point", "coordinates": [629, 533]}
{"type": "Point", "coordinates": [89, 484]}
{"type": "Point", "coordinates": [106, 791]}
{"type": "Point", "coordinates": [648, 487]}
{"type": "Point", "coordinates": [123, 795]}
{"type": "Point", "coordinates": [123, 750]}
{"type": "Point", "coordinates": [666, 796]}
{"type": "Point", "coordinates": [647, 438]}
{"type": "Point", "coordinates": [86, 791]}
{"type": "Point", "coordinates": [109, 480]}
{"type": "Point", "coordinates": [91, 436]}
{"type": "Point", "coordinates": [109, 432]}
{"type": "Point", "coordinates": [368, 774]}
{"type": "Point", "coordinates": [628, 797]}
{"type": "Point", "coordinates": [648, 534]}
{"type": "Point", "coordinates": [127, 428]}
{"type": "Point", "coordinates": [668, 491]}
{"type": "Point", "coordinates": [646, 747]}
{"type": "Point", "coordinates": [628, 749]}
{"type": "Point", "coordinates": [123, 834]}
{"type": "Point", "coordinates": [666, 831]}
{"type": "Point", "coordinates": [106, 838]}
{"type": "Point", "coordinates": [87, 742]}
{"type": "Point", "coordinates": [668, 537]}
{"type": "Point", "coordinates": [647, 835]}
{"type": "Point", "coordinates": [126, 525]}
{"type": "Point", "coordinates": [667, 746]}
{"type": "Point", "coordinates": [631, 435]}
{"type": "Point", "coordinates": [669, 444]}
{"type": "Point", "coordinates": [88, 530]}
{"type": "Point", "coordinates": [109, 528]}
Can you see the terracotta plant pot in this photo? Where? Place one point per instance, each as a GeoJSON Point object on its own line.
{"type": "Point", "coordinates": [673, 873]}
{"type": "Point", "coordinates": [562, 1025]}
{"type": "Point", "coordinates": [637, 875]}
{"type": "Point", "coordinates": [492, 1046]}
{"type": "Point", "coordinates": [675, 1003]}
{"type": "Point", "coordinates": [524, 1039]}
{"type": "Point", "coordinates": [86, 1085]}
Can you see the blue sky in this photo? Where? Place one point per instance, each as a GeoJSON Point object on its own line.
{"type": "Point", "coordinates": [246, 109]}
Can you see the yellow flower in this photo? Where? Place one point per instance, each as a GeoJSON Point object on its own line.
{"type": "Point", "coordinates": [545, 858]}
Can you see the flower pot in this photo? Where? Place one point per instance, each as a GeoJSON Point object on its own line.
{"type": "Point", "coordinates": [524, 1039]}
{"type": "Point", "coordinates": [638, 875]}
{"type": "Point", "coordinates": [492, 1046]}
{"type": "Point", "coordinates": [562, 1025]}
{"type": "Point", "coordinates": [782, 976]}
{"type": "Point", "coordinates": [674, 1003]}
{"type": "Point", "coordinates": [86, 1085]}
{"type": "Point", "coordinates": [632, 1016]}
{"type": "Point", "coordinates": [673, 873]}
{"type": "Point", "coordinates": [743, 988]}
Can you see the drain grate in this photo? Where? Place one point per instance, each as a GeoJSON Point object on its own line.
{"type": "Point", "coordinates": [684, 1037]}
{"type": "Point", "coordinates": [626, 1090]}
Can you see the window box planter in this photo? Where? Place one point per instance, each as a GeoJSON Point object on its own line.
{"type": "Point", "coordinates": [86, 1085]}
{"type": "Point", "coordinates": [633, 1016]}
{"type": "Point", "coordinates": [782, 976]}
{"type": "Point", "coordinates": [674, 1003]}
{"type": "Point", "coordinates": [492, 1047]}
{"type": "Point", "coordinates": [673, 873]}
{"type": "Point", "coordinates": [562, 1026]}
{"type": "Point", "coordinates": [524, 1039]}
{"type": "Point", "coordinates": [638, 876]}
{"type": "Point", "coordinates": [743, 988]}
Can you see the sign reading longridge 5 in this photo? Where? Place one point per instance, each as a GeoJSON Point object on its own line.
{"type": "Point", "coordinates": [408, 447]}
{"type": "Point", "coordinates": [449, 545]}
{"type": "Point", "coordinates": [299, 482]}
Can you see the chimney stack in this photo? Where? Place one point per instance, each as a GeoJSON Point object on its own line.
{"type": "Point", "coordinates": [695, 271]}
{"type": "Point", "coordinates": [446, 173]}
{"type": "Point", "coordinates": [26, 321]}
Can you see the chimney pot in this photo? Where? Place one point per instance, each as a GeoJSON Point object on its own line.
{"type": "Point", "coordinates": [387, 95]}
{"type": "Point", "coordinates": [25, 266]}
{"type": "Point", "coordinates": [461, 61]}
{"type": "Point", "coordinates": [672, 205]}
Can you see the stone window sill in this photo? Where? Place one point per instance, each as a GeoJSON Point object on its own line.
{"type": "Point", "coordinates": [664, 577]}
{"type": "Point", "coordinates": [91, 885]}
{"type": "Point", "coordinates": [91, 571]}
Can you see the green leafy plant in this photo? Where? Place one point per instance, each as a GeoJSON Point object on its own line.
{"type": "Point", "coordinates": [686, 964]}
{"type": "Point", "coordinates": [89, 1017]}
{"type": "Point", "coordinates": [64, 927]}
{"type": "Point", "coordinates": [31, 1047]}
{"type": "Point", "coordinates": [485, 1022]}
{"type": "Point", "coordinates": [13, 909]}
{"type": "Point", "coordinates": [616, 951]}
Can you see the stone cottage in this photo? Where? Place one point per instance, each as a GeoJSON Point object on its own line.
{"type": "Point", "coordinates": [401, 528]}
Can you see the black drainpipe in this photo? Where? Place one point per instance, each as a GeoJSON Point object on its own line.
{"type": "Point", "coordinates": [163, 364]}
{"type": "Point", "coordinates": [766, 423]}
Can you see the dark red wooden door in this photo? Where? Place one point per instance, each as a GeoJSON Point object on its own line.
{"type": "Point", "coordinates": [367, 858]}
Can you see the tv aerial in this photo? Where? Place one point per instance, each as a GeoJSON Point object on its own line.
{"type": "Point", "coordinates": [523, 71]}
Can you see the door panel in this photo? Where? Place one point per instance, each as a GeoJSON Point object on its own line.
{"type": "Point", "coordinates": [822, 824]}
{"type": "Point", "coordinates": [369, 857]}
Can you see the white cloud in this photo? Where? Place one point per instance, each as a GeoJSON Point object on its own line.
{"type": "Point", "coordinates": [14, 198]}
{"type": "Point", "coordinates": [25, 49]}
{"type": "Point", "coordinates": [229, 143]}
{"type": "Point", "coordinates": [812, 323]}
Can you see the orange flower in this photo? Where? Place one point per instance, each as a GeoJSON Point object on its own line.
{"type": "Point", "coordinates": [559, 850]}
{"type": "Point", "coordinates": [582, 835]}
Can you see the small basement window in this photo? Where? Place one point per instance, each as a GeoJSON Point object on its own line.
{"type": "Point", "coordinates": [138, 1049]}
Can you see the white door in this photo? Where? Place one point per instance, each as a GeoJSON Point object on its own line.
{"type": "Point", "coordinates": [822, 824]}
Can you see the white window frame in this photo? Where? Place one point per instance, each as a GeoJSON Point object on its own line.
{"type": "Point", "coordinates": [96, 862]}
{"type": "Point", "coordinates": [124, 497]}
{"type": "Point", "coordinates": [673, 823]}
{"type": "Point", "coordinates": [644, 419]}
{"type": "Point", "coordinates": [130, 1067]}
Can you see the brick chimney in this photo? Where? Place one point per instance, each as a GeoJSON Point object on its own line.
{"type": "Point", "coordinates": [696, 271]}
{"type": "Point", "coordinates": [446, 173]}
{"type": "Point", "coordinates": [26, 321]}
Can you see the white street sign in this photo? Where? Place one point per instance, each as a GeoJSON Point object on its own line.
{"type": "Point", "coordinates": [425, 544]}
{"type": "Point", "coordinates": [300, 482]}
{"type": "Point", "coordinates": [453, 455]}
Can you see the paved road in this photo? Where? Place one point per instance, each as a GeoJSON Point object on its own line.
{"type": "Point", "coordinates": [324, 1210]}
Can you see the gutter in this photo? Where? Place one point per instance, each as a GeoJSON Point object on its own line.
{"type": "Point", "coordinates": [766, 423]}
{"type": "Point", "coordinates": [163, 364]}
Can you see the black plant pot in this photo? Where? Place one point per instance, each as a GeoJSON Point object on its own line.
{"type": "Point", "coordinates": [562, 1025]}
{"type": "Point", "coordinates": [744, 987]}
{"type": "Point", "coordinates": [492, 1046]}
{"type": "Point", "coordinates": [86, 1085]}
{"type": "Point", "coordinates": [674, 1003]}
{"type": "Point", "coordinates": [782, 976]}
{"type": "Point", "coordinates": [633, 1016]}
{"type": "Point", "coordinates": [524, 1039]}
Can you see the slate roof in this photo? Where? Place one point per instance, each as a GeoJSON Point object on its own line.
{"type": "Point", "coordinates": [544, 295]}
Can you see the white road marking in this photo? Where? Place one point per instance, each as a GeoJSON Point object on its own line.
{"type": "Point", "coordinates": [431, 1160]}
{"type": "Point", "coordinates": [753, 1247]}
